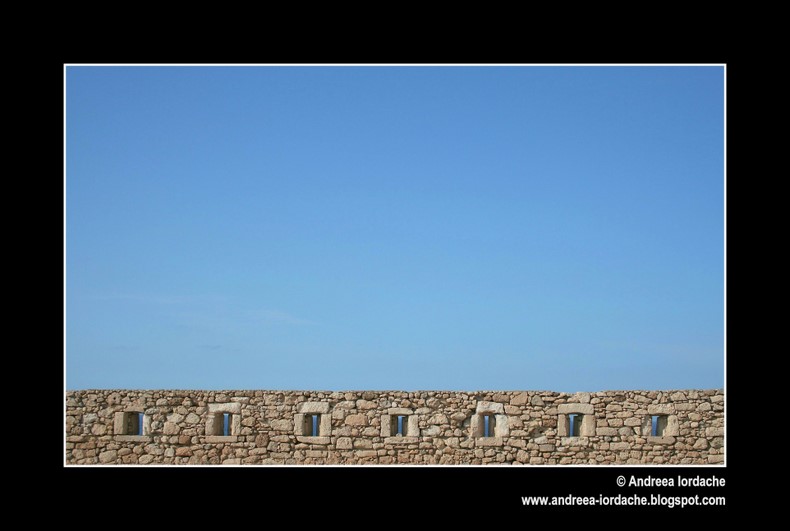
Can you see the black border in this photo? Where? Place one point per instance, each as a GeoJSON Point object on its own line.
{"type": "Point", "coordinates": [451, 492]}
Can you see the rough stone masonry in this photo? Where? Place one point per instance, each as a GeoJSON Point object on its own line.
{"type": "Point", "coordinates": [394, 427]}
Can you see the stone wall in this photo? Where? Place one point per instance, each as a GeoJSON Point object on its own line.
{"type": "Point", "coordinates": [394, 427]}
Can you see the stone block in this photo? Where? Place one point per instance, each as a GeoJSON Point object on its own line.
{"type": "Point", "coordinates": [357, 420]}
{"type": "Point", "coordinates": [412, 425]}
{"type": "Point", "coordinates": [490, 407]}
{"type": "Point", "coordinates": [365, 453]}
{"type": "Point", "coordinates": [489, 441]}
{"type": "Point", "coordinates": [401, 440]}
{"type": "Point", "coordinates": [431, 431]}
{"type": "Point", "coordinates": [660, 409]}
{"type": "Point", "coordinates": [574, 441]}
{"type": "Point", "coordinates": [215, 439]}
{"type": "Point", "coordinates": [582, 398]}
{"type": "Point", "coordinates": [314, 440]}
{"type": "Point", "coordinates": [701, 444]}
{"type": "Point", "coordinates": [313, 407]}
{"type": "Point", "coordinates": [584, 409]}
{"type": "Point", "coordinates": [386, 425]}
{"type": "Point", "coordinates": [588, 426]}
{"type": "Point", "coordinates": [520, 399]}
{"type": "Point", "coordinates": [108, 457]}
{"type": "Point", "coordinates": [458, 417]}
{"type": "Point", "coordinates": [133, 438]}
{"type": "Point", "coordinates": [282, 425]}
{"type": "Point", "coordinates": [439, 418]}
{"type": "Point", "coordinates": [227, 407]}
{"type": "Point", "coordinates": [661, 440]}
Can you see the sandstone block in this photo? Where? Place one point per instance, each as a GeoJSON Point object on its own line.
{"type": "Point", "coordinates": [227, 407]}
{"type": "Point", "coordinates": [313, 407]}
{"type": "Point", "coordinates": [520, 399]}
{"type": "Point", "coordinates": [282, 425]}
{"type": "Point", "coordinates": [458, 417]}
{"type": "Point", "coordinates": [108, 457]}
{"type": "Point", "coordinates": [584, 409]}
{"type": "Point", "coordinates": [714, 432]}
{"type": "Point", "coordinates": [356, 420]}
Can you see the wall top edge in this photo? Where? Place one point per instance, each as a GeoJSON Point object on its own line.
{"type": "Point", "coordinates": [384, 391]}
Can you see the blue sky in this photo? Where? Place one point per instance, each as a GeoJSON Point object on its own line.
{"type": "Point", "coordinates": [408, 228]}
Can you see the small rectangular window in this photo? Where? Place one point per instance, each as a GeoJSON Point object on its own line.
{"type": "Point", "coordinates": [130, 423]}
{"type": "Point", "coordinates": [220, 424]}
{"type": "Point", "coordinates": [311, 423]}
{"type": "Point", "coordinates": [399, 425]}
{"type": "Point", "coordinates": [575, 424]}
{"type": "Point", "coordinates": [658, 425]}
{"type": "Point", "coordinates": [133, 424]}
{"type": "Point", "coordinates": [488, 425]}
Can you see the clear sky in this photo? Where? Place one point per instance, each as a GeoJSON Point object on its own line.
{"type": "Point", "coordinates": [464, 228]}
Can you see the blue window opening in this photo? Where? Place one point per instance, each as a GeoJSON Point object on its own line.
{"type": "Point", "coordinates": [311, 424]}
{"type": "Point", "coordinates": [575, 424]}
{"type": "Point", "coordinates": [133, 423]}
{"type": "Point", "coordinates": [488, 425]}
{"type": "Point", "coordinates": [401, 425]}
{"type": "Point", "coordinates": [226, 424]}
{"type": "Point", "coordinates": [658, 425]}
